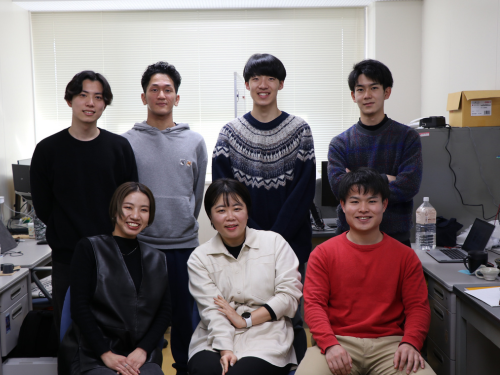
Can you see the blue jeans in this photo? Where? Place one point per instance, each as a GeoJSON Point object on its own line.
{"type": "Point", "coordinates": [182, 306]}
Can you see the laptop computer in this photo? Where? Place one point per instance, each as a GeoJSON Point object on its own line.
{"type": "Point", "coordinates": [476, 240]}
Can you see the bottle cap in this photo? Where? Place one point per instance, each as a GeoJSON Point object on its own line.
{"type": "Point", "coordinates": [426, 199]}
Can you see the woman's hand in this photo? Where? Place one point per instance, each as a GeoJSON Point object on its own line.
{"type": "Point", "coordinates": [230, 313]}
{"type": "Point", "coordinates": [137, 358]}
{"type": "Point", "coordinates": [118, 363]}
{"type": "Point", "coordinates": [227, 358]}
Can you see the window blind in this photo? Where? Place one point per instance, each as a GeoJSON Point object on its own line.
{"type": "Point", "coordinates": [317, 46]}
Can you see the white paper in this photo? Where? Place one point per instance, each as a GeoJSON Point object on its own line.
{"type": "Point", "coordinates": [490, 296]}
{"type": "Point", "coordinates": [480, 108]}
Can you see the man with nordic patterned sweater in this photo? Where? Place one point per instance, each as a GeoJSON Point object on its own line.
{"type": "Point", "coordinates": [272, 153]}
{"type": "Point", "coordinates": [365, 295]}
{"type": "Point", "coordinates": [376, 141]}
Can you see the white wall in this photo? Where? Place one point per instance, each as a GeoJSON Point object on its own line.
{"type": "Point", "coordinates": [461, 50]}
{"type": "Point", "coordinates": [17, 137]}
{"type": "Point", "coordinates": [395, 38]}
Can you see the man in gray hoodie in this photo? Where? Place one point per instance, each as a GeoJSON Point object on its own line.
{"type": "Point", "coordinates": [172, 162]}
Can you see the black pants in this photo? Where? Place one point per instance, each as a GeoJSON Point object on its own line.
{"type": "Point", "coordinates": [61, 277]}
{"type": "Point", "coordinates": [208, 363]}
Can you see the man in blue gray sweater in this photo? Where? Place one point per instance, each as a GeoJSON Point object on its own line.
{"type": "Point", "coordinates": [172, 162]}
{"type": "Point", "coordinates": [378, 142]}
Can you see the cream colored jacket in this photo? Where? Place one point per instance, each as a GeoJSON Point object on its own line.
{"type": "Point", "coordinates": [265, 272]}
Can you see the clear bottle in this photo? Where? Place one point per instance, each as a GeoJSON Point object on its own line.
{"type": "Point", "coordinates": [425, 229]}
{"type": "Point", "coordinates": [2, 199]}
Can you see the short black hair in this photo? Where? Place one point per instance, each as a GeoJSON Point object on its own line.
{"type": "Point", "coordinates": [75, 86]}
{"type": "Point", "coordinates": [121, 192]}
{"type": "Point", "coordinates": [374, 70]}
{"type": "Point", "coordinates": [227, 187]}
{"type": "Point", "coordinates": [264, 64]}
{"type": "Point", "coordinates": [161, 67]}
{"type": "Point", "coordinates": [366, 180]}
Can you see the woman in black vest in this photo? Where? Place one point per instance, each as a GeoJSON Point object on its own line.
{"type": "Point", "coordinates": [119, 295]}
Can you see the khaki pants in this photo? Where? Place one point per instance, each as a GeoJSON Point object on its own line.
{"type": "Point", "coordinates": [369, 357]}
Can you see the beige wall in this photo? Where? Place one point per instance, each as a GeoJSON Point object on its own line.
{"type": "Point", "coordinates": [17, 137]}
{"type": "Point", "coordinates": [461, 50]}
{"type": "Point", "coordinates": [395, 38]}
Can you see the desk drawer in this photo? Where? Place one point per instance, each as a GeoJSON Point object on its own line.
{"type": "Point", "coordinates": [13, 294]}
{"type": "Point", "coordinates": [442, 295]}
{"type": "Point", "coordinates": [440, 363]}
{"type": "Point", "coordinates": [10, 324]}
{"type": "Point", "coordinates": [442, 329]}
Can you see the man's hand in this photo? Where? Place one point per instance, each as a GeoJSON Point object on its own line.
{"type": "Point", "coordinates": [408, 354]}
{"type": "Point", "coordinates": [338, 360]}
{"type": "Point", "coordinates": [118, 363]}
{"type": "Point", "coordinates": [391, 178]}
{"type": "Point", "coordinates": [227, 358]}
{"type": "Point", "coordinates": [137, 358]}
{"type": "Point", "coordinates": [230, 313]}
{"type": "Point", "coordinates": [347, 170]}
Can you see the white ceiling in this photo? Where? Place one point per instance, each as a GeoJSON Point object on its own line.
{"type": "Point", "coordinates": [117, 5]}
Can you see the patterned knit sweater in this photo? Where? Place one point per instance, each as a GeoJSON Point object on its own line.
{"type": "Point", "coordinates": [394, 149]}
{"type": "Point", "coordinates": [276, 162]}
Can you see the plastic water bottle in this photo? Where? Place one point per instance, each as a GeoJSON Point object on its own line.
{"type": "Point", "coordinates": [2, 199]}
{"type": "Point", "coordinates": [425, 233]}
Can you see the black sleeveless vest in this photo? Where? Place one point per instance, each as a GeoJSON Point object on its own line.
{"type": "Point", "coordinates": [123, 315]}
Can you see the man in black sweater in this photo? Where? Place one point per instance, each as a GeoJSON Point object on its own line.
{"type": "Point", "coordinates": [74, 174]}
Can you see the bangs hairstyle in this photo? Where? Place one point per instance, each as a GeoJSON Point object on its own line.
{"type": "Point", "coordinates": [227, 187]}
{"type": "Point", "coordinates": [264, 64]}
{"type": "Point", "coordinates": [75, 86]}
{"type": "Point", "coordinates": [161, 67]}
{"type": "Point", "coordinates": [372, 69]}
{"type": "Point", "coordinates": [121, 192]}
{"type": "Point", "coordinates": [366, 181]}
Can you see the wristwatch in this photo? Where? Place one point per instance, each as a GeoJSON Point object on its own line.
{"type": "Point", "coordinates": [248, 318]}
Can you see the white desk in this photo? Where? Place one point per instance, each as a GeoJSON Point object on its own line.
{"type": "Point", "coordinates": [14, 293]}
{"type": "Point", "coordinates": [33, 255]}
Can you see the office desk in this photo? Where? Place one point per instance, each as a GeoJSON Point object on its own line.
{"type": "Point", "coordinates": [441, 278]}
{"type": "Point", "coordinates": [14, 292]}
{"type": "Point", "coordinates": [478, 334]}
{"type": "Point", "coordinates": [33, 255]}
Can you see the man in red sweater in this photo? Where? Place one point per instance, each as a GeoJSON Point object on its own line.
{"type": "Point", "coordinates": [365, 293]}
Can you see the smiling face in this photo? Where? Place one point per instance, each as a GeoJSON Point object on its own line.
{"type": "Point", "coordinates": [264, 90]}
{"type": "Point", "coordinates": [370, 96]}
{"type": "Point", "coordinates": [135, 215]}
{"type": "Point", "coordinates": [363, 212]}
{"type": "Point", "coordinates": [160, 96]}
{"type": "Point", "coordinates": [89, 105]}
{"type": "Point", "coordinates": [230, 220]}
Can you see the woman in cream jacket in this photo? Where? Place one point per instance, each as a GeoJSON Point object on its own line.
{"type": "Point", "coordinates": [247, 287]}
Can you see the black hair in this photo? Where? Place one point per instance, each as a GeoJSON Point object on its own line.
{"type": "Point", "coordinates": [227, 187]}
{"type": "Point", "coordinates": [121, 192]}
{"type": "Point", "coordinates": [366, 180]}
{"type": "Point", "coordinates": [161, 67]}
{"type": "Point", "coordinates": [264, 64]}
{"type": "Point", "coordinates": [374, 70]}
{"type": "Point", "coordinates": [75, 86]}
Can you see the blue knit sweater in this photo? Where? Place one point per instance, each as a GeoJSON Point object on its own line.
{"type": "Point", "coordinates": [276, 162]}
{"type": "Point", "coordinates": [393, 149]}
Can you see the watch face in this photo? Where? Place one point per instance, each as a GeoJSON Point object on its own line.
{"type": "Point", "coordinates": [246, 315]}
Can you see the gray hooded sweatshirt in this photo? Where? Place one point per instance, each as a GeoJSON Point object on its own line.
{"type": "Point", "coordinates": [172, 163]}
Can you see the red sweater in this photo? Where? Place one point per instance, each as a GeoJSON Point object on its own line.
{"type": "Point", "coordinates": [365, 291]}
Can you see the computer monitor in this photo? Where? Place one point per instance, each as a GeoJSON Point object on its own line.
{"type": "Point", "coordinates": [327, 196]}
{"type": "Point", "coordinates": [21, 176]}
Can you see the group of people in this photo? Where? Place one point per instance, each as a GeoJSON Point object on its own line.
{"type": "Point", "coordinates": [121, 215]}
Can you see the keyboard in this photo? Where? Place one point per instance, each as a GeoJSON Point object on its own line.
{"type": "Point", "coordinates": [453, 254]}
{"type": "Point", "coordinates": [47, 284]}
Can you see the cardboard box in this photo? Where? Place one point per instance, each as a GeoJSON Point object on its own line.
{"type": "Point", "coordinates": [474, 108]}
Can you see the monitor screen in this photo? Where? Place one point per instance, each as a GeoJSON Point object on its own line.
{"type": "Point", "coordinates": [327, 196]}
{"type": "Point", "coordinates": [21, 176]}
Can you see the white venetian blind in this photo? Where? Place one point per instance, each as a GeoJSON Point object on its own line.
{"type": "Point", "coordinates": [317, 46]}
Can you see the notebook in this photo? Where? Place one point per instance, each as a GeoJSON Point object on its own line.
{"type": "Point", "coordinates": [476, 240]}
